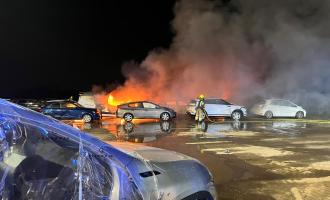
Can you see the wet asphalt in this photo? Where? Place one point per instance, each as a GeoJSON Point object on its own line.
{"type": "Point", "coordinates": [250, 159]}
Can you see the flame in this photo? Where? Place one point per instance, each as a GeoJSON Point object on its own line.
{"type": "Point", "coordinates": [111, 101]}
{"type": "Point", "coordinates": [127, 94]}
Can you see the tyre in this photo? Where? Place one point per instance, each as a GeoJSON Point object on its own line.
{"type": "Point", "coordinates": [300, 115]}
{"type": "Point", "coordinates": [128, 127]}
{"type": "Point", "coordinates": [236, 115]}
{"type": "Point", "coordinates": [269, 114]}
{"type": "Point", "coordinates": [165, 116]}
{"type": "Point", "coordinates": [128, 117]}
{"type": "Point", "coordinates": [87, 118]}
{"type": "Point", "coordinates": [165, 126]}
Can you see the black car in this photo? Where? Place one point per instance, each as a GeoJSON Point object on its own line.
{"type": "Point", "coordinates": [66, 109]}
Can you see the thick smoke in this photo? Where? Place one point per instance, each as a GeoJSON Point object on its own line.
{"type": "Point", "coordinates": [241, 50]}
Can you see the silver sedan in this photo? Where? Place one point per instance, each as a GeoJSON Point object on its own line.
{"type": "Point", "coordinates": [144, 110]}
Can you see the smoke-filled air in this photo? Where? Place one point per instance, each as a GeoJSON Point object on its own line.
{"type": "Point", "coordinates": [241, 50]}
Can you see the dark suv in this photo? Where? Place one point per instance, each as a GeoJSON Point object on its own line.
{"type": "Point", "coordinates": [65, 109]}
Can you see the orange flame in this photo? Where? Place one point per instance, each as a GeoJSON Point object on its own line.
{"type": "Point", "coordinates": [127, 94]}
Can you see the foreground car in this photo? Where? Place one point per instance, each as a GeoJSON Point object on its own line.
{"type": "Point", "coordinates": [46, 159]}
{"type": "Point", "coordinates": [278, 108]}
{"type": "Point", "coordinates": [144, 110]}
{"type": "Point", "coordinates": [218, 108]}
{"type": "Point", "coordinates": [65, 109]}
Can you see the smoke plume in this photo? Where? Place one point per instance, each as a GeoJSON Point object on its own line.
{"type": "Point", "coordinates": [240, 50]}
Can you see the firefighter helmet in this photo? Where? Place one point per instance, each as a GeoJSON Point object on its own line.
{"type": "Point", "coordinates": [201, 97]}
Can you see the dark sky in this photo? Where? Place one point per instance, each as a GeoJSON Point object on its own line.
{"type": "Point", "coordinates": [52, 48]}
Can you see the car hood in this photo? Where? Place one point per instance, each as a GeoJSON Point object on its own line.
{"type": "Point", "coordinates": [165, 172]}
{"type": "Point", "coordinates": [150, 153]}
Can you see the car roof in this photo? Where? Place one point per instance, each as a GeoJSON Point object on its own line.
{"type": "Point", "coordinates": [276, 99]}
{"type": "Point", "coordinates": [211, 98]}
{"type": "Point", "coordinates": [60, 100]}
{"type": "Point", "coordinates": [136, 102]}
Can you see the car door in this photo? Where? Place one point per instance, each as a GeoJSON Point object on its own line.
{"type": "Point", "coordinates": [136, 109]}
{"type": "Point", "coordinates": [211, 107]}
{"type": "Point", "coordinates": [276, 108]}
{"type": "Point", "coordinates": [216, 107]}
{"type": "Point", "coordinates": [224, 108]}
{"type": "Point", "coordinates": [70, 111]}
{"type": "Point", "coordinates": [291, 108]}
{"type": "Point", "coordinates": [151, 110]}
{"type": "Point", "coordinates": [53, 110]}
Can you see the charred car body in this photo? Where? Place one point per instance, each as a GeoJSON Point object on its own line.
{"type": "Point", "coordinates": [43, 158]}
{"type": "Point", "coordinates": [144, 110]}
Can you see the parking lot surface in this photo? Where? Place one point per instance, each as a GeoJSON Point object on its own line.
{"type": "Point", "coordinates": [252, 159]}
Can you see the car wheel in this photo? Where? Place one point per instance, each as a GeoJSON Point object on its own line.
{"type": "Point", "coordinates": [165, 126]}
{"type": "Point", "coordinates": [87, 118]}
{"type": "Point", "coordinates": [128, 127]}
{"type": "Point", "coordinates": [236, 115]}
{"type": "Point", "coordinates": [165, 116]}
{"type": "Point", "coordinates": [300, 115]}
{"type": "Point", "coordinates": [269, 114]}
{"type": "Point", "coordinates": [128, 117]}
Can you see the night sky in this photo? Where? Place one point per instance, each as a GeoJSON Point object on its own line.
{"type": "Point", "coordinates": [55, 48]}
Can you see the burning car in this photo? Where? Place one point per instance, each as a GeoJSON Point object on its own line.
{"type": "Point", "coordinates": [43, 158]}
{"type": "Point", "coordinates": [144, 110]}
{"type": "Point", "coordinates": [218, 108]}
{"type": "Point", "coordinates": [278, 108]}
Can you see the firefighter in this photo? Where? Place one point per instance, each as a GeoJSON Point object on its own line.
{"type": "Point", "coordinates": [200, 109]}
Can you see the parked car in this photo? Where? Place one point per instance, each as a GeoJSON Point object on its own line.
{"type": "Point", "coordinates": [218, 108]}
{"type": "Point", "coordinates": [46, 159]}
{"type": "Point", "coordinates": [144, 110]}
{"type": "Point", "coordinates": [32, 104]}
{"type": "Point", "coordinates": [278, 108]}
{"type": "Point", "coordinates": [66, 109]}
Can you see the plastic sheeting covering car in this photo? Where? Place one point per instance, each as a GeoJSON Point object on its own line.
{"type": "Point", "coordinates": [42, 158]}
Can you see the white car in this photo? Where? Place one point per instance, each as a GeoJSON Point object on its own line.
{"type": "Point", "coordinates": [88, 100]}
{"type": "Point", "coordinates": [278, 108]}
{"type": "Point", "coordinates": [218, 108]}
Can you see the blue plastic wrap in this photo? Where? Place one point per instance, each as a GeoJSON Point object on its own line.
{"type": "Point", "coordinates": [43, 158]}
